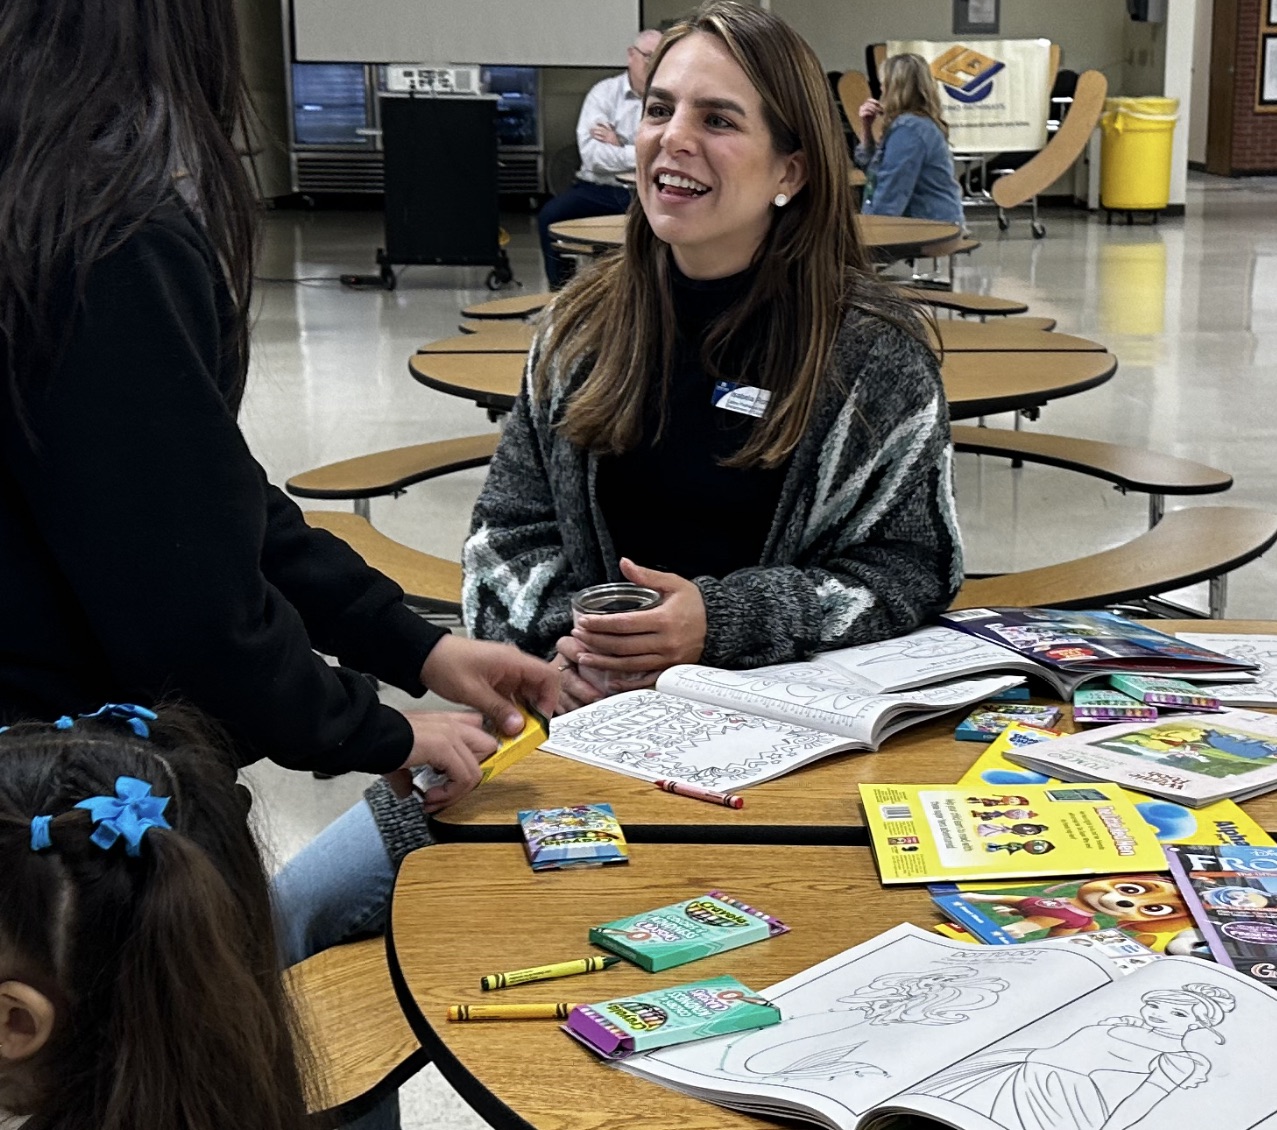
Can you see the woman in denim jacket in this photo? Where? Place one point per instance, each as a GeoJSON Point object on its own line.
{"type": "Point", "coordinates": [909, 172]}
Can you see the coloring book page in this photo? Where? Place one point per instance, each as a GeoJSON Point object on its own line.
{"type": "Point", "coordinates": [928, 655]}
{"type": "Point", "coordinates": [651, 735]}
{"type": "Point", "coordinates": [1253, 649]}
{"type": "Point", "coordinates": [874, 1021]}
{"type": "Point", "coordinates": [1177, 1045]}
{"type": "Point", "coordinates": [814, 695]}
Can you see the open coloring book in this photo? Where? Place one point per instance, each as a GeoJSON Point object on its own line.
{"type": "Point", "coordinates": [912, 1030]}
{"type": "Point", "coordinates": [1257, 649]}
{"type": "Point", "coordinates": [731, 729]}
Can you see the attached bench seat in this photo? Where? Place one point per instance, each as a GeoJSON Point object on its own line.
{"type": "Point", "coordinates": [978, 305]}
{"type": "Point", "coordinates": [1201, 543]}
{"type": "Point", "coordinates": [392, 472]}
{"type": "Point", "coordinates": [1127, 468]}
{"type": "Point", "coordinates": [519, 306]}
{"type": "Point", "coordinates": [354, 1025]}
{"type": "Point", "coordinates": [432, 584]}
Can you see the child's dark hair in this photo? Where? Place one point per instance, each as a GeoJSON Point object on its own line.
{"type": "Point", "coordinates": [161, 965]}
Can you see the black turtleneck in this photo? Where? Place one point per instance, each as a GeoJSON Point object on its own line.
{"type": "Point", "coordinates": [671, 504]}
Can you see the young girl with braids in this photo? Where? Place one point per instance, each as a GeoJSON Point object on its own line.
{"type": "Point", "coordinates": [138, 980]}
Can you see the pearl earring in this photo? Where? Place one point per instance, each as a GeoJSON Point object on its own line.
{"type": "Point", "coordinates": [780, 200]}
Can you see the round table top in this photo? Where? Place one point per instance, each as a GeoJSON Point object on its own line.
{"type": "Point", "coordinates": [976, 383]}
{"type": "Point", "coordinates": [461, 911]}
{"type": "Point", "coordinates": [812, 805]}
{"type": "Point", "coordinates": [897, 234]}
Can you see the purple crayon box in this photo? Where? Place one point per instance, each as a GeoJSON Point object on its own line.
{"type": "Point", "coordinates": [618, 1028]}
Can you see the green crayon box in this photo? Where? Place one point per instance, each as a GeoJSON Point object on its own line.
{"type": "Point", "coordinates": [618, 1028]}
{"type": "Point", "coordinates": [674, 935]}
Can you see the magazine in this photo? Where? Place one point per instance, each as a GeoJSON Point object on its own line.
{"type": "Point", "coordinates": [1193, 759]}
{"type": "Point", "coordinates": [1074, 647]}
{"type": "Point", "coordinates": [910, 1029]}
{"type": "Point", "coordinates": [1258, 649]}
{"type": "Point", "coordinates": [727, 730]}
{"type": "Point", "coordinates": [1231, 892]}
{"type": "Point", "coordinates": [939, 833]}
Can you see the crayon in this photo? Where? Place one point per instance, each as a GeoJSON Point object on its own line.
{"type": "Point", "coordinates": [727, 800]}
{"type": "Point", "coordinates": [509, 1011]}
{"type": "Point", "coordinates": [547, 972]}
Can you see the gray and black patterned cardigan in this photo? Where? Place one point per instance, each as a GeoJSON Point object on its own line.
{"type": "Point", "coordinates": [864, 544]}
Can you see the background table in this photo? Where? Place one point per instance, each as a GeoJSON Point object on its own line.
{"type": "Point", "coordinates": [895, 236]}
{"type": "Point", "coordinates": [976, 384]}
{"type": "Point", "coordinates": [461, 911]}
{"type": "Point", "coordinates": [818, 804]}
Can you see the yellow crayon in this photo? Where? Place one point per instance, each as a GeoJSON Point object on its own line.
{"type": "Point", "coordinates": [547, 972]}
{"type": "Point", "coordinates": [509, 1011]}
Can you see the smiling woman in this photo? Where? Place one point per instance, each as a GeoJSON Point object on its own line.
{"type": "Point", "coordinates": [733, 411]}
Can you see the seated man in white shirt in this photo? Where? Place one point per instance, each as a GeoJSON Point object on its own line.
{"type": "Point", "coordinates": [605, 137]}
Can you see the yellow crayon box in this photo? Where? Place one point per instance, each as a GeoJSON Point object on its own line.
{"type": "Point", "coordinates": [534, 733]}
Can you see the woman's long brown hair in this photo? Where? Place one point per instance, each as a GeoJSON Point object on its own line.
{"type": "Point", "coordinates": [618, 319]}
{"type": "Point", "coordinates": [908, 87]}
{"type": "Point", "coordinates": [103, 103]}
{"type": "Point", "coordinates": [162, 968]}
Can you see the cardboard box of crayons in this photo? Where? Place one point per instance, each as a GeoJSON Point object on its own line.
{"type": "Point", "coordinates": [619, 1028]}
{"type": "Point", "coordinates": [534, 732]}
{"type": "Point", "coordinates": [674, 935]}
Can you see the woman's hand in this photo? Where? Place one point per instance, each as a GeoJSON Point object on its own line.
{"type": "Point", "coordinates": [452, 745]}
{"type": "Point", "coordinates": [643, 644]}
{"type": "Point", "coordinates": [870, 108]}
{"type": "Point", "coordinates": [574, 691]}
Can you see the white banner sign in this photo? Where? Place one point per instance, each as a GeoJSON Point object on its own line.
{"type": "Point", "coordinates": [994, 93]}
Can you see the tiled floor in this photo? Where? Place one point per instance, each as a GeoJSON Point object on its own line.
{"type": "Point", "coordinates": [1189, 307]}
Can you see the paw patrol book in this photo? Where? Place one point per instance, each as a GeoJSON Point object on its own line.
{"type": "Point", "coordinates": [937, 833]}
{"type": "Point", "coordinates": [1219, 823]}
{"type": "Point", "coordinates": [1146, 907]}
{"type": "Point", "coordinates": [582, 835]}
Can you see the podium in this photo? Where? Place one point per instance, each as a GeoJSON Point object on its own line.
{"type": "Point", "coordinates": [441, 204]}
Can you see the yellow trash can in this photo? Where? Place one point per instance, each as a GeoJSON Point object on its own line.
{"type": "Point", "coordinates": [1135, 153]}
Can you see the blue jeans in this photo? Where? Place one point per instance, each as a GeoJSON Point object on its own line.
{"type": "Point", "coordinates": [582, 199]}
{"type": "Point", "coordinates": [336, 889]}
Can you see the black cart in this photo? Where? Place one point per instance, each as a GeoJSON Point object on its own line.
{"type": "Point", "coordinates": [441, 185]}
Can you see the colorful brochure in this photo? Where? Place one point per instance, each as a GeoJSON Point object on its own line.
{"type": "Point", "coordinates": [1147, 908]}
{"type": "Point", "coordinates": [939, 833]}
{"type": "Point", "coordinates": [618, 1028]}
{"type": "Point", "coordinates": [1192, 759]}
{"type": "Point", "coordinates": [1102, 705]}
{"type": "Point", "coordinates": [1073, 647]}
{"type": "Point", "coordinates": [989, 719]}
{"type": "Point", "coordinates": [1219, 823]}
{"type": "Point", "coordinates": [1232, 894]}
{"type": "Point", "coordinates": [582, 835]}
{"type": "Point", "coordinates": [674, 935]}
{"type": "Point", "coordinates": [1173, 693]}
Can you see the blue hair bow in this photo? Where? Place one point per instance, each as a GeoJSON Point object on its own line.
{"type": "Point", "coordinates": [128, 814]}
{"type": "Point", "coordinates": [136, 717]}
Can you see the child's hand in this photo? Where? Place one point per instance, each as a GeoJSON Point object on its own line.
{"type": "Point", "coordinates": [574, 691]}
{"type": "Point", "coordinates": [451, 744]}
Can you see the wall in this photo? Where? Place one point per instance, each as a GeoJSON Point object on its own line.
{"type": "Point", "coordinates": [262, 42]}
{"type": "Point", "coordinates": [1199, 115]}
{"type": "Point", "coordinates": [1089, 32]}
{"type": "Point", "coordinates": [1254, 134]}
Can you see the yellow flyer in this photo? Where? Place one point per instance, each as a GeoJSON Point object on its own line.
{"type": "Point", "coordinates": [1219, 823]}
{"type": "Point", "coordinates": [943, 833]}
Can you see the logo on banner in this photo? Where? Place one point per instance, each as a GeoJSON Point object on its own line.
{"type": "Point", "coordinates": [966, 74]}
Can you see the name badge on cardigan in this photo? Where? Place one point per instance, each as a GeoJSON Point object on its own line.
{"type": "Point", "coordinates": [745, 399]}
